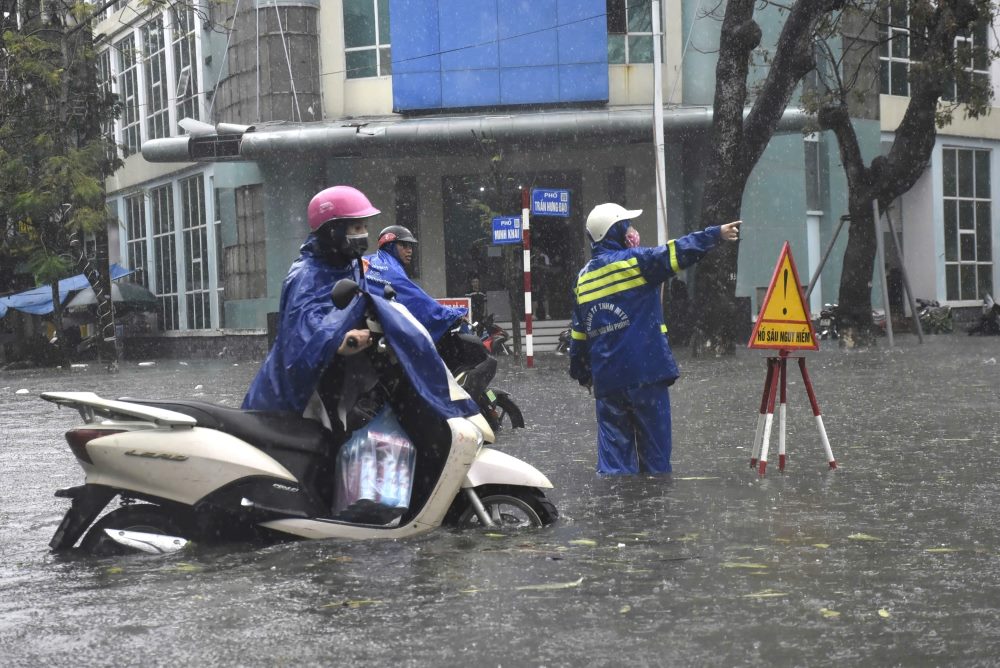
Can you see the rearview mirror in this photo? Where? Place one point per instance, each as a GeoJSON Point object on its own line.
{"type": "Point", "coordinates": [343, 292]}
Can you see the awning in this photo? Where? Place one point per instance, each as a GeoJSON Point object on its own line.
{"type": "Point", "coordinates": [38, 301]}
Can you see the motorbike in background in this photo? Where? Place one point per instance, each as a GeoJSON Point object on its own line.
{"type": "Point", "coordinates": [193, 471]}
{"type": "Point", "coordinates": [493, 336]}
{"type": "Point", "coordinates": [827, 325]}
{"type": "Point", "coordinates": [989, 322]}
{"type": "Point", "coordinates": [934, 318]}
{"type": "Point", "coordinates": [562, 347]}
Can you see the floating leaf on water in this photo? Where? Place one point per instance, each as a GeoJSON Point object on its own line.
{"type": "Point", "coordinates": [494, 535]}
{"type": "Point", "coordinates": [699, 477]}
{"type": "Point", "coordinates": [767, 593]}
{"type": "Point", "coordinates": [115, 570]}
{"type": "Point", "coordinates": [941, 550]}
{"type": "Point", "coordinates": [782, 540]}
{"type": "Point", "coordinates": [828, 613]}
{"type": "Point", "coordinates": [625, 608]}
{"type": "Point", "coordinates": [185, 567]}
{"type": "Point", "coordinates": [863, 536]}
{"type": "Point", "coordinates": [742, 564]}
{"type": "Point", "coordinates": [469, 591]}
{"type": "Point", "coordinates": [821, 546]}
{"type": "Point", "coordinates": [549, 586]}
{"type": "Point", "coordinates": [883, 613]}
{"type": "Point", "coordinates": [586, 542]}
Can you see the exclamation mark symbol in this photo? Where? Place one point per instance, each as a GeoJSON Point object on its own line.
{"type": "Point", "coordinates": [784, 309]}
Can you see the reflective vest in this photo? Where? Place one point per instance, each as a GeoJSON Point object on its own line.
{"type": "Point", "coordinates": [618, 334]}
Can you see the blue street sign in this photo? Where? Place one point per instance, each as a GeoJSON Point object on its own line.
{"type": "Point", "coordinates": [549, 202]}
{"type": "Point", "coordinates": [507, 230]}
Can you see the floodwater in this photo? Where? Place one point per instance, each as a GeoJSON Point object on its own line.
{"type": "Point", "coordinates": [892, 559]}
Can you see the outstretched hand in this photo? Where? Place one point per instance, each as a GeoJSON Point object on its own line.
{"type": "Point", "coordinates": [731, 231]}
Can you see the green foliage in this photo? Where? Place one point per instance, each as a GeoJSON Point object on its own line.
{"type": "Point", "coordinates": [52, 150]}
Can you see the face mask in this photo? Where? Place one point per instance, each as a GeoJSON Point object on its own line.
{"type": "Point", "coordinates": [357, 243]}
{"type": "Point", "coordinates": [632, 238]}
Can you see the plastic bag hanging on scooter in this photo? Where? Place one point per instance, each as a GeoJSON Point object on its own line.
{"type": "Point", "coordinates": [374, 472]}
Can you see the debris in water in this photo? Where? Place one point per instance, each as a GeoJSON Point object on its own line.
{"type": "Point", "coordinates": [549, 586]}
{"type": "Point", "coordinates": [863, 536]}
{"type": "Point", "coordinates": [586, 542]}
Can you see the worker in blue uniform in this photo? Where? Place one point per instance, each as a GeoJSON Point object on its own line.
{"type": "Point", "coordinates": [313, 334]}
{"type": "Point", "coordinates": [387, 266]}
{"type": "Point", "coordinates": [619, 345]}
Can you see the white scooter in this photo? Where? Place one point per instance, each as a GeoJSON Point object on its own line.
{"type": "Point", "coordinates": [193, 471]}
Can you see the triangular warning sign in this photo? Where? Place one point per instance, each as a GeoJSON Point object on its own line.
{"type": "Point", "coordinates": [784, 321]}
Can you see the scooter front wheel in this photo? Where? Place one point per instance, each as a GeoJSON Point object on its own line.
{"type": "Point", "coordinates": [505, 414]}
{"type": "Point", "coordinates": [507, 508]}
{"type": "Point", "coordinates": [144, 518]}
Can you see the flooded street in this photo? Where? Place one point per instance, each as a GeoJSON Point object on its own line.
{"type": "Point", "coordinates": [892, 559]}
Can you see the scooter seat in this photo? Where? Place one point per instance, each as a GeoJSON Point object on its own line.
{"type": "Point", "coordinates": [262, 429]}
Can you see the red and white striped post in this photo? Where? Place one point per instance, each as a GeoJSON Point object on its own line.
{"type": "Point", "coordinates": [526, 237]}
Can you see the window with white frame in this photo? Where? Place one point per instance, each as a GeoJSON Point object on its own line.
{"type": "Point", "coordinates": [135, 228]}
{"type": "Point", "coordinates": [185, 85]}
{"type": "Point", "coordinates": [896, 53]}
{"type": "Point", "coordinates": [196, 252]}
{"type": "Point", "coordinates": [155, 71]}
{"type": "Point", "coordinates": [972, 54]}
{"type": "Point", "coordinates": [220, 275]}
{"type": "Point", "coordinates": [894, 49]}
{"type": "Point", "coordinates": [630, 31]}
{"type": "Point", "coordinates": [968, 230]}
{"type": "Point", "coordinates": [161, 202]}
{"type": "Point", "coordinates": [105, 83]}
{"type": "Point", "coordinates": [127, 68]}
{"type": "Point", "coordinates": [366, 38]}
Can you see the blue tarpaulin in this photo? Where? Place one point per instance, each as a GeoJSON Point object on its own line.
{"type": "Point", "coordinates": [38, 301]}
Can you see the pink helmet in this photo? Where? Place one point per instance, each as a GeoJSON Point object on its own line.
{"type": "Point", "coordinates": [339, 202]}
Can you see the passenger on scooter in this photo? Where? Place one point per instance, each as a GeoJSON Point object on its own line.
{"type": "Point", "coordinates": [311, 331]}
{"type": "Point", "coordinates": [460, 351]}
{"type": "Point", "coordinates": [388, 266]}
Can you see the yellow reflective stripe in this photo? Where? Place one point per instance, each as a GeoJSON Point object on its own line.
{"type": "Point", "coordinates": [610, 290]}
{"type": "Point", "coordinates": [579, 336]}
{"type": "Point", "coordinates": [621, 275]}
{"type": "Point", "coordinates": [663, 328]}
{"type": "Point", "coordinates": [607, 269]}
{"type": "Point", "coordinates": [673, 257]}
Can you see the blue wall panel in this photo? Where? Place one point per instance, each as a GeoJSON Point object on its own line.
{"type": "Point", "coordinates": [485, 53]}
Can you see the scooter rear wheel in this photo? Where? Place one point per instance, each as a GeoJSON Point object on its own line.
{"type": "Point", "coordinates": [509, 508]}
{"type": "Point", "coordinates": [145, 518]}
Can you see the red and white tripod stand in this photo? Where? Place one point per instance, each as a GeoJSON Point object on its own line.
{"type": "Point", "coordinates": [776, 376]}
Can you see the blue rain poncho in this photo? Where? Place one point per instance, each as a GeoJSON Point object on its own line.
{"type": "Point", "coordinates": [383, 268]}
{"type": "Point", "coordinates": [311, 329]}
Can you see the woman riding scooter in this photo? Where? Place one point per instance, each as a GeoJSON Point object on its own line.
{"type": "Point", "coordinates": [313, 336]}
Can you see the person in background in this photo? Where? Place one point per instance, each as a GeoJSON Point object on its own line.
{"type": "Point", "coordinates": [478, 300]}
{"type": "Point", "coordinates": [388, 266]}
{"type": "Point", "coordinates": [314, 337]}
{"type": "Point", "coordinates": [619, 346]}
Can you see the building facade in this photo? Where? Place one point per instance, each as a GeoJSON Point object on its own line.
{"type": "Point", "coordinates": [440, 111]}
